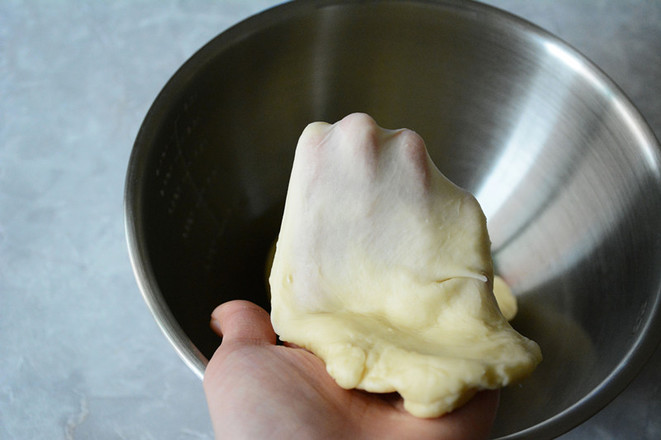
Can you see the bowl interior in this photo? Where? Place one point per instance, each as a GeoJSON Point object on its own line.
{"type": "Point", "coordinates": [564, 167]}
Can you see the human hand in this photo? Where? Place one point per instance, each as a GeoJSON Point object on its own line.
{"type": "Point", "coordinates": [256, 389]}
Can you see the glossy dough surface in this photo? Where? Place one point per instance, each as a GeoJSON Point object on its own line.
{"type": "Point", "coordinates": [383, 270]}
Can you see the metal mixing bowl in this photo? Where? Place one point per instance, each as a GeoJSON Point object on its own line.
{"type": "Point", "coordinates": [565, 168]}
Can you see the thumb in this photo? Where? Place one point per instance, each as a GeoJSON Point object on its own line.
{"type": "Point", "coordinates": [244, 321]}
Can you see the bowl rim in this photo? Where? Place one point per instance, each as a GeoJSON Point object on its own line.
{"type": "Point", "coordinates": [632, 361]}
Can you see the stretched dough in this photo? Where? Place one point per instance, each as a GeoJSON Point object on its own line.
{"type": "Point", "coordinates": [507, 303]}
{"type": "Point", "coordinates": [383, 270]}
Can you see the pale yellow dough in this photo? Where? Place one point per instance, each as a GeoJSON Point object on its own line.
{"type": "Point", "coordinates": [383, 270]}
{"type": "Point", "coordinates": [505, 298]}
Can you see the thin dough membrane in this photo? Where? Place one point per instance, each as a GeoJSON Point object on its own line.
{"type": "Point", "coordinates": [383, 270]}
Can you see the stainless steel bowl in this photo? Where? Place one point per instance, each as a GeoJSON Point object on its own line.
{"type": "Point", "coordinates": [566, 170]}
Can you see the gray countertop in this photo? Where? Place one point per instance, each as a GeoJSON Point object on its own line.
{"type": "Point", "coordinates": [80, 354]}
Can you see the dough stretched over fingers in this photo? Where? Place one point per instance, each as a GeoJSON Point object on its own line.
{"type": "Point", "coordinates": [383, 270]}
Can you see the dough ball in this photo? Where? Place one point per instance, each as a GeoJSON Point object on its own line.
{"type": "Point", "coordinates": [383, 269]}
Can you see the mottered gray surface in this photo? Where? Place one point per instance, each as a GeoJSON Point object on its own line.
{"type": "Point", "coordinates": [80, 354]}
